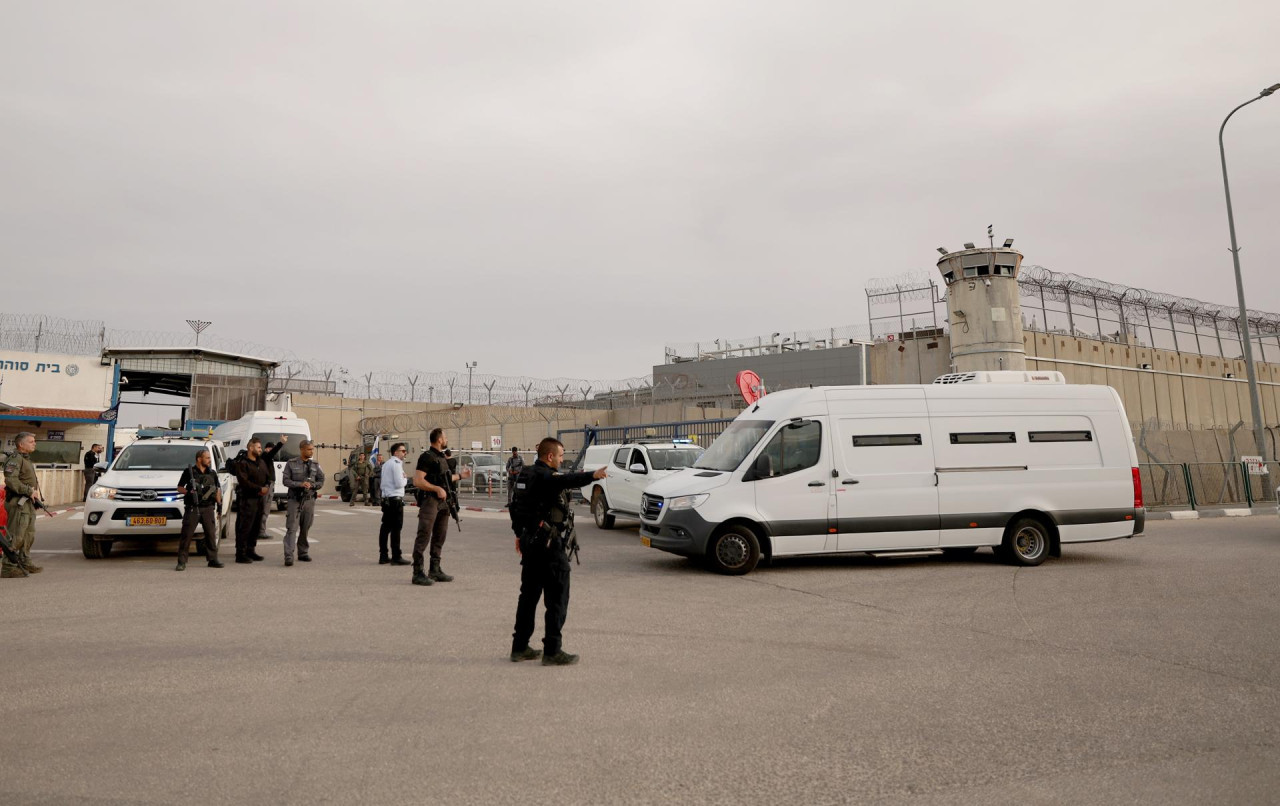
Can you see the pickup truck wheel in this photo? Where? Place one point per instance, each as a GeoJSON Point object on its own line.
{"type": "Point", "coordinates": [1026, 542]}
{"type": "Point", "coordinates": [600, 509]}
{"type": "Point", "coordinates": [734, 551]}
{"type": "Point", "coordinates": [94, 549]}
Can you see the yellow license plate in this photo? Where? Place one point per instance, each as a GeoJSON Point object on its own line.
{"type": "Point", "coordinates": [148, 521]}
{"type": "Point", "coordinates": [644, 541]}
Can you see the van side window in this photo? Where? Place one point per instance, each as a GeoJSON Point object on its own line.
{"type": "Point", "coordinates": [1060, 436]}
{"type": "Point", "coordinates": [620, 457]}
{"type": "Point", "coordinates": [885, 440]}
{"type": "Point", "coordinates": [983, 438]}
{"type": "Point", "coordinates": [796, 447]}
{"type": "Point", "coordinates": [637, 458]}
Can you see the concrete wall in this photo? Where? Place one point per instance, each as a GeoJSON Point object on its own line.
{"type": "Point", "coordinates": [335, 422]}
{"type": "Point", "coordinates": [837, 366]}
{"type": "Point", "coordinates": [1183, 405]}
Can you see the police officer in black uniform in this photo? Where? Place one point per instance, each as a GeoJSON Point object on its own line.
{"type": "Point", "coordinates": [539, 512]}
{"type": "Point", "coordinates": [201, 497]}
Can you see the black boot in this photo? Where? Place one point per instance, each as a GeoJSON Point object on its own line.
{"type": "Point", "coordinates": [560, 658]}
{"type": "Point", "coordinates": [420, 578]}
{"type": "Point", "coordinates": [436, 573]}
{"type": "Point", "coordinates": [400, 561]}
{"type": "Point", "coordinates": [384, 559]}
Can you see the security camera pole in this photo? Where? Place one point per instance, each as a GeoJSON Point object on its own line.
{"type": "Point", "coordinates": [1259, 432]}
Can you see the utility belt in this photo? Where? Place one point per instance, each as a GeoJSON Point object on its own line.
{"type": "Point", "coordinates": [422, 496]}
{"type": "Point", "coordinates": [302, 494]}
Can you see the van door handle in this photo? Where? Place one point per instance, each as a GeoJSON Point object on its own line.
{"type": "Point", "coordinates": [817, 484]}
{"type": "Point", "coordinates": [848, 481]}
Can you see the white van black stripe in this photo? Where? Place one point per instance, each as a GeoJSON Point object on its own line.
{"type": "Point", "coordinates": [954, 522]}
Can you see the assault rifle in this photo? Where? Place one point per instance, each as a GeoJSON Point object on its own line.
{"type": "Point", "coordinates": [451, 493]}
{"type": "Point", "coordinates": [8, 547]}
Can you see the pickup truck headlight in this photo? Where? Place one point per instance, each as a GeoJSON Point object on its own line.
{"type": "Point", "coordinates": [99, 491]}
{"type": "Point", "coordinates": [688, 501]}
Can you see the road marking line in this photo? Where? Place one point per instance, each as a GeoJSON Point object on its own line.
{"type": "Point", "coordinates": [336, 512]}
{"type": "Point", "coordinates": [76, 517]}
{"type": "Point", "coordinates": [54, 551]}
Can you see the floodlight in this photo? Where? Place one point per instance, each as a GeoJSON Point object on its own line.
{"type": "Point", "coordinates": [943, 250]}
{"type": "Point", "coordinates": [968, 246]}
{"type": "Point", "coordinates": [1008, 242]}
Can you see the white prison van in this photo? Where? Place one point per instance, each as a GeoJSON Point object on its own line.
{"type": "Point", "coordinates": [1019, 461]}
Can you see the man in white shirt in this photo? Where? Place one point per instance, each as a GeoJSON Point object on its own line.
{"type": "Point", "coordinates": [392, 488]}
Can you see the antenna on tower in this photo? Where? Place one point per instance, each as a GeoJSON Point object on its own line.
{"type": "Point", "coordinates": [198, 326]}
{"type": "Point", "coordinates": [991, 235]}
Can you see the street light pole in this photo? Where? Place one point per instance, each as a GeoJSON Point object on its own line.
{"type": "Point", "coordinates": [471, 365]}
{"type": "Point", "coordinates": [1259, 428]}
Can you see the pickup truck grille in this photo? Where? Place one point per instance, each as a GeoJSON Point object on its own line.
{"type": "Point", "coordinates": [650, 507]}
{"type": "Point", "coordinates": [147, 494]}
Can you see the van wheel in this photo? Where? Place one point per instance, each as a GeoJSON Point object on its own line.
{"type": "Point", "coordinates": [94, 549]}
{"type": "Point", "coordinates": [600, 509]}
{"type": "Point", "coordinates": [1026, 542]}
{"type": "Point", "coordinates": [734, 551]}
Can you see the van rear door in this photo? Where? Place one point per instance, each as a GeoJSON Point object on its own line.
{"type": "Point", "coordinates": [886, 491]}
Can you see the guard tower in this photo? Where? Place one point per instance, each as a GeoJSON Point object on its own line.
{"type": "Point", "coordinates": [983, 307]}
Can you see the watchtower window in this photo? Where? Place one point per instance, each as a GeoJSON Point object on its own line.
{"type": "Point", "coordinates": [983, 271]}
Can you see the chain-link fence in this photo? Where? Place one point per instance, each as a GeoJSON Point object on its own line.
{"type": "Point", "coordinates": [1195, 485]}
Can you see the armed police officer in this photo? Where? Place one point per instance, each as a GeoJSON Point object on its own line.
{"type": "Point", "coordinates": [543, 522]}
{"type": "Point", "coordinates": [434, 480]}
{"type": "Point", "coordinates": [514, 465]}
{"type": "Point", "coordinates": [22, 490]}
{"type": "Point", "coordinates": [202, 499]}
{"type": "Point", "coordinates": [252, 491]}
{"type": "Point", "coordinates": [359, 474]}
{"type": "Point", "coordinates": [303, 478]}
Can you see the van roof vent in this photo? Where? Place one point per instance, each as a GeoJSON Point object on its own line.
{"type": "Point", "coordinates": [1007, 376]}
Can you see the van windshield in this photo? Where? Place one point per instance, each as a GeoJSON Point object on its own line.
{"type": "Point", "coordinates": [290, 449]}
{"type": "Point", "coordinates": [157, 457]}
{"type": "Point", "coordinates": [673, 458]}
{"type": "Point", "coordinates": [731, 447]}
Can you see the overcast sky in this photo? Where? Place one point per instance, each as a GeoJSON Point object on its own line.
{"type": "Point", "coordinates": [561, 188]}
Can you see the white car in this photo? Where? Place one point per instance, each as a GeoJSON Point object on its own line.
{"type": "Point", "coordinates": [632, 468]}
{"type": "Point", "coordinates": [137, 498]}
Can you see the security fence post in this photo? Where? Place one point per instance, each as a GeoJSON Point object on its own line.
{"type": "Point", "coordinates": [1191, 490]}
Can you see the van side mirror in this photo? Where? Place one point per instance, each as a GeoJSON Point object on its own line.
{"type": "Point", "coordinates": [761, 468]}
{"type": "Point", "coordinates": [639, 469]}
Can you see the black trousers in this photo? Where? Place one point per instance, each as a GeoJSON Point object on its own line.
{"type": "Point", "coordinates": [392, 523]}
{"type": "Point", "coordinates": [433, 528]}
{"type": "Point", "coordinates": [248, 512]}
{"type": "Point", "coordinates": [544, 574]}
{"type": "Point", "coordinates": [208, 519]}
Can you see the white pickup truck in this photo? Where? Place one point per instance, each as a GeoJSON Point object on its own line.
{"type": "Point", "coordinates": [632, 468]}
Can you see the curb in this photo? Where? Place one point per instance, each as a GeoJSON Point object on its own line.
{"type": "Point", "coordinates": [1197, 514]}
{"type": "Point", "coordinates": [58, 512]}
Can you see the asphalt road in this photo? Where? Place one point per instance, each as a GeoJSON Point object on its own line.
{"type": "Point", "coordinates": [1141, 671]}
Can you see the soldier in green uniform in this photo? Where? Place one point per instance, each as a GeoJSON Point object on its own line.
{"type": "Point", "coordinates": [21, 486]}
{"type": "Point", "coordinates": [359, 473]}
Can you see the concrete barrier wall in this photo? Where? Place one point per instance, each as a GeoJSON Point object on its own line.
{"type": "Point", "coordinates": [1182, 409]}
{"type": "Point", "coordinates": [335, 422]}
{"type": "Point", "coordinates": [60, 486]}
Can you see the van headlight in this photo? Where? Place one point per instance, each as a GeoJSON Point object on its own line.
{"type": "Point", "coordinates": [688, 501]}
{"type": "Point", "coordinates": [100, 491]}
